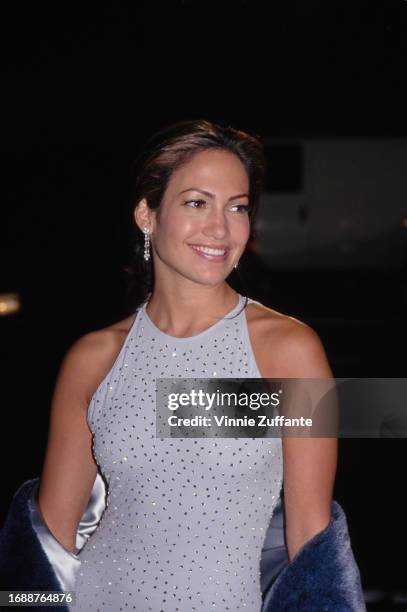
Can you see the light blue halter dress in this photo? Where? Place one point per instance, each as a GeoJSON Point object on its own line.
{"type": "Point", "coordinates": [186, 518]}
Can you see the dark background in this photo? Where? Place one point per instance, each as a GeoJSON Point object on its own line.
{"type": "Point", "coordinates": [82, 88]}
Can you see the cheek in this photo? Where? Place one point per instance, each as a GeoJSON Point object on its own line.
{"type": "Point", "coordinates": [178, 226]}
{"type": "Point", "coordinates": [242, 230]}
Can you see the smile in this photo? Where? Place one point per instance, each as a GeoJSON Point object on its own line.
{"type": "Point", "coordinates": [209, 253]}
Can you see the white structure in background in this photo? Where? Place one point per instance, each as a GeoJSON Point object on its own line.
{"type": "Point", "coordinates": [351, 212]}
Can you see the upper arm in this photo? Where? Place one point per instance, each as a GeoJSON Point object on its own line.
{"type": "Point", "coordinates": [309, 462]}
{"type": "Point", "coordinates": [69, 469]}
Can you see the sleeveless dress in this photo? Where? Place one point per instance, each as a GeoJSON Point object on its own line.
{"type": "Point", "coordinates": [185, 518]}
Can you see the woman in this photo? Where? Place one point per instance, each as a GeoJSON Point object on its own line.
{"type": "Point", "coordinates": [185, 519]}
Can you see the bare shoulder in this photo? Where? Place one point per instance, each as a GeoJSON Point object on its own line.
{"type": "Point", "coordinates": [285, 346]}
{"type": "Point", "coordinates": [91, 356]}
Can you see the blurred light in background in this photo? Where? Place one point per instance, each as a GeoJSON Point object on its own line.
{"type": "Point", "coordinates": [9, 303]}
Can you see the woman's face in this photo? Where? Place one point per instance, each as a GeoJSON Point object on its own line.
{"type": "Point", "coordinates": [205, 207]}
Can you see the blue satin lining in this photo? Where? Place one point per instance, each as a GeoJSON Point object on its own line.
{"type": "Point", "coordinates": [274, 556]}
{"type": "Point", "coordinates": [65, 563]}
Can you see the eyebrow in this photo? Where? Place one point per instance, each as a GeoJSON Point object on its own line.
{"type": "Point", "coordinates": [210, 195]}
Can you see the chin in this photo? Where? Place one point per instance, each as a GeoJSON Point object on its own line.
{"type": "Point", "coordinates": [207, 279]}
{"type": "Point", "coordinates": [207, 274]}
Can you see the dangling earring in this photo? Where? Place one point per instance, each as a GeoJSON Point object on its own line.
{"type": "Point", "coordinates": [146, 244]}
{"type": "Point", "coordinates": [236, 264]}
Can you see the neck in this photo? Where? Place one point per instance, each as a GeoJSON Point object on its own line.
{"type": "Point", "coordinates": [188, 312]}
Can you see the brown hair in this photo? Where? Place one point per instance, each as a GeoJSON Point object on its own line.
{"type": "Point", "coordinates": [163, 154]}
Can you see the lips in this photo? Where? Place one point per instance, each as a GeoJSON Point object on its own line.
{"type": "Point", "coordinates": [210, 253]}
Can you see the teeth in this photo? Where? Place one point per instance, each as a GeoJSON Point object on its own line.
{"type": "Point", "coordinates": [210, 251]}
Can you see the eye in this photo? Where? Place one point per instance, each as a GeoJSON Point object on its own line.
{"type": "Point", "coordinates": [243, 208]}
{"type": "Point", "coordinates": [195, 202]}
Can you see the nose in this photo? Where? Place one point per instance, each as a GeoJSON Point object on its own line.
{"type": "Point", "coordinates": [216, 225]}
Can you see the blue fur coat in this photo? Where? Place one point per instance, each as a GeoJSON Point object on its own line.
{"type": "Point", "coordinates": [322, 577]}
